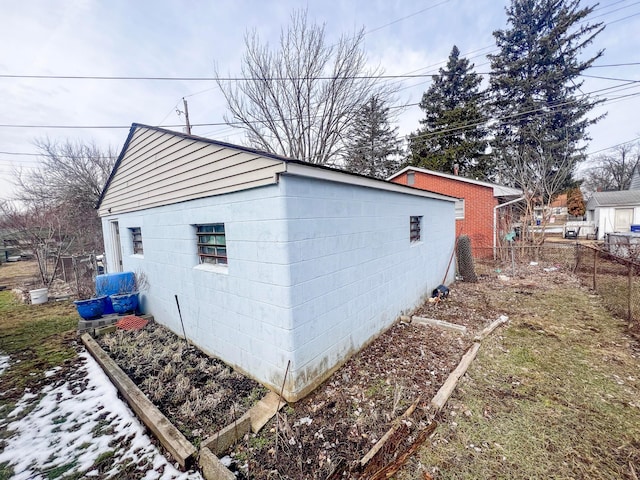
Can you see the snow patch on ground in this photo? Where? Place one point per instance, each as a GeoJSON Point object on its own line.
{"type": "Point", "coordinates": [52, 372]}
{"type": "Point", "coordinates": [73, 423]}
{"type": "Point", "coordinates": [4, 363]}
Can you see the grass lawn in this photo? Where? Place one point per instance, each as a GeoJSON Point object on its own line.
{"type": "Point", "coordinates": [554, 395]}
{"type": "Point", "coordinates": [37, 338]}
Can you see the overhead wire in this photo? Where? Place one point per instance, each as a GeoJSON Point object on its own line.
{"type": "Point", "coordinates": [231, 128]}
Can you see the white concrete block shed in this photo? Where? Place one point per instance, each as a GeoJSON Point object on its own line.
{"type": "Point", "coordinates": [273, 260]}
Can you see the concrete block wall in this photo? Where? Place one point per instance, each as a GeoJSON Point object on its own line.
{"type": "Point", "coordinates": [316, 269]}
{"type": "Point", "coordinates": [240, 313]}
{"type": "Point", "coordinates": [354, 268]}
{"type": "Point", "coordinates": [478, 204]}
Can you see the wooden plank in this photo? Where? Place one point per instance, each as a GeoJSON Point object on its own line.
{"type": "Point", "coordinates": [380, 443]}
{"type": "Point", "coordinates": [445, 391]}
{"type": "Point", "coordinates": [180, 448]}
{"type": "Point", "coordinates": [491, 327]}
{"type": "Point", "coordinates": [212, 468]}
{"type": "Point", "coordinates": [221, 441]}
{"type": "Point", "coordinates": [439, 323]}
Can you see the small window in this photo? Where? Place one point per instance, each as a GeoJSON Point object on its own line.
{"type": "Point", "coordinates": [136, 239]}
{"type": "Point", "coordinates": [414, 228]}
{"type": "Point", "coordinates": [460, 209]}
{"type": "Point", "coordinates": [411, 178]}
{"type": "Point", "coordinates": [212, 245]}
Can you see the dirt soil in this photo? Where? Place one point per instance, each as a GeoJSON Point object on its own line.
{"type": "Point", "coordinates": [326, 434]}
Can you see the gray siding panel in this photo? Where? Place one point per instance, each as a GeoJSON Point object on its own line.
{"type": "Point", "coordinates": [161, 169]}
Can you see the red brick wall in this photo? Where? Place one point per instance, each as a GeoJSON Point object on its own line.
{"type": "Point", "coordinates": [478, 208]}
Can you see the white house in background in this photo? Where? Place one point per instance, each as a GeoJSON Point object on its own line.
{"type": "Point", "coordinates": [615, 212]}
{"type": "Point", "coordinates": [275, 262]}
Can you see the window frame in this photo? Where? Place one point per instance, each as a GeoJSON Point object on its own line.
{"type": "Point", "coordinates": [218, 258]}
{"type": "Point", "coordinates": [415, 228]}
{"type": "Point", "coordinates": [136, 240]}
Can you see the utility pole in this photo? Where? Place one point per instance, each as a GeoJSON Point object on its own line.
{"type": "Point", "coordinates": [186, 115]}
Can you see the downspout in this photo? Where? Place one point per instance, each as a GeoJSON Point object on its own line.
{"type": "Point", "coordinates": [495, 222]}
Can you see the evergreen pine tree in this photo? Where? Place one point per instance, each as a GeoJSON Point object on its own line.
{"type": "Point", "coordinates": [536, 97]}
{"type": "Point", "coordinates": [454, 128]}
{"type": "Point", "coordinates": [372, 145]}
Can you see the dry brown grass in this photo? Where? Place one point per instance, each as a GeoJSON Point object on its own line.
{"type": "Point", "coordinates": [200, 394]}
{"type": "Point", "coordinates": [14, 274]}
{"type": "Point", "coordinates": [556, 395]}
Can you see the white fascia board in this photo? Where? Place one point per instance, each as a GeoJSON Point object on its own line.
{"type": "Point", "coordinates": [498, 190]}
{"type": "Point", "coordinates": [351, 179]}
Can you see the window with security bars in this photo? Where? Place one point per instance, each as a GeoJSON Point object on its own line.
{"type": "Point", "coordinates": [212, 245]}
{"type": "Point", "coordinates": [136, 239]}
{"type": "Point", "coordinates": [414, 228]}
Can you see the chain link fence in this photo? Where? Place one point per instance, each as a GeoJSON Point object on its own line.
{"type": "Point", "coordinates": [614, 275]}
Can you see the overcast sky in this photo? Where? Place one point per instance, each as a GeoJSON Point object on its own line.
{"type": "Point", "coordinates": [163, 38]}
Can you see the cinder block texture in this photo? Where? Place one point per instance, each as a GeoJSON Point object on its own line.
{"type": "Point", "coordinates": [315, 270]}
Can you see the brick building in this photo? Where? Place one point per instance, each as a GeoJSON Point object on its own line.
{"type": "Point", "coordinates": [482, 212]}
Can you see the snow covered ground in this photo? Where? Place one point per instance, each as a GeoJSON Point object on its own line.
{"type": "Point", "coordinates": [4, 363]}
{"type": "Point", "coordinates": [79, 427]}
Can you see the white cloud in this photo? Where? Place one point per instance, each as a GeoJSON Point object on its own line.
{"type": "Point", "coordinates": [169, 38]}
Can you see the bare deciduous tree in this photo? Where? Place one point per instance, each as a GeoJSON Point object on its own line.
{"type": "Point", "coordinates": [541, 174]}
{"type": "Point", "coordinates": [70, 179]}
{"type": "Point", "coordinates": [613, 170]}
{"type": "Point", "coordinates": [298, 101]}
{"type": "Point", "coordinates": [40, 231]}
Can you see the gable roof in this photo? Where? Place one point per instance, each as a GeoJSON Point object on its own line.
{"type": "Point", "coordinates": [498, 190]}
{"type": "Point", "coordinates": [160, 167]}
{"type": "Point", "coordinates": [614, 199]}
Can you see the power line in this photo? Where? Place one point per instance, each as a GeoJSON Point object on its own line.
{"type": "Point", "coordinates": [31, 154]}
{"type": "Point", "coordinates": [404, 18]}
{"type": "Point", "coordinates": [245, 79]}
{"type": "Point", "coordinates": [97, 127]}
{"type": "Point", "coordinates": [613, 146]}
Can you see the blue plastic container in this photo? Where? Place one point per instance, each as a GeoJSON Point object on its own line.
{"type": "Point", "coordinates": [125, 303]}
{"type": "Point", "coordinates": [635, 228]}
{"type": "Point", "coordinates": [90, 308]}
{"type": "Point", "coordinates": [113, 284]}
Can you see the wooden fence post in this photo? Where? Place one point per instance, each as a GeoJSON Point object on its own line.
{"type": "Point", "coordinates": [629, 291]}
{"type": "Point", "coordinates": [595, 266]}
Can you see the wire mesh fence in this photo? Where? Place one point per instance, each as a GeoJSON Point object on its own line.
{"type": "Point", "coordinates": [80, 272]}
{"type": "Point", "coordinates": [613, 274]}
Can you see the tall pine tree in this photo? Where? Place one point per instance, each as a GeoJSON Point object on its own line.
{"type": "Point", "coordinates": [535, 88]}
{"type": "Point", "coordinates": [372, 145]}
{"type": "Point", "coordinates": [454, 128]}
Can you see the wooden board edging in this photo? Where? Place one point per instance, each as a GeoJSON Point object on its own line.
{"type": "Point", "coordinates": [170, 437]}
{"type": "Point", "coordinates": [452, 380]}
{"type": "Point", "coordinates": [439, 323]}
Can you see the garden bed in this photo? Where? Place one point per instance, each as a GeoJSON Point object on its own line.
{"type": "Point", "coordinates": [330, 430]}
{"type": "Point", "coordinates": [200, 395]}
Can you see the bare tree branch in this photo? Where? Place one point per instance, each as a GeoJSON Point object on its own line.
{"type": "Point", "coordinates": [284, 105]}
{"type": "Point", "coordinates": [612, 171]}
{"type": "Point", "coordinates": [69, 180]}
